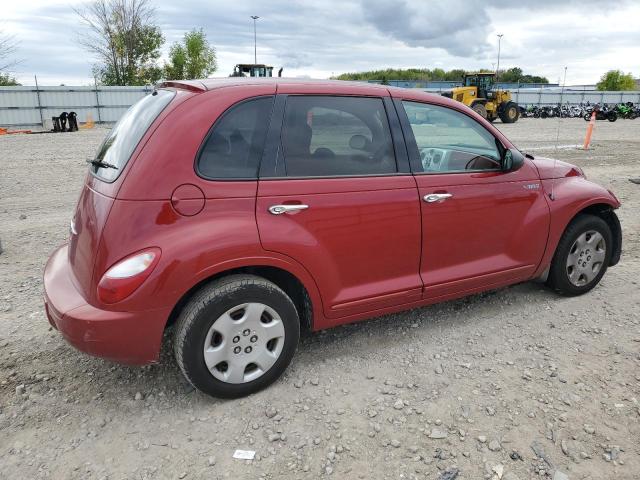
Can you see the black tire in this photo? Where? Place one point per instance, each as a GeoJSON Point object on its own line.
{"type": "Point", "coordinates": [510, 113]}
{"type": "Point", "coordinates": [480, 109]}
{"type": "Point", "coordinates": [612, 116]}
{"type": "Point", "coordinates": [587, 117]}
{"type": "Point", "coordinates": [558, 276]}
{"type": "Point", "coordinates": [206, 307]}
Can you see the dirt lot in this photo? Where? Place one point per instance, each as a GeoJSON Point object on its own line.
{"type": "Point", "coordinates": [513, 384]}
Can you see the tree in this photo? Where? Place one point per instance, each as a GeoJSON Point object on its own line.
{"type": "Point", "coordinates": [438, 74]}
{"type": "Point", "coordinates": [191, 58]}
{"type": "Point", "coordinates": [7, 80]}
{"type": "Point", "coordinates": [515, 75]}
{"type": "Point", "coordinates": [124, 40]}
{"type": "Point", "coordinates": [616, 80]}
{"type": "Point", "coordinates": [8, 47]}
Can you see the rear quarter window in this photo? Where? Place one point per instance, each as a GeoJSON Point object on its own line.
{"type": "Point", "coordinates": [233, 147]}
{"type": "Point", "coordinates": [125, 135]}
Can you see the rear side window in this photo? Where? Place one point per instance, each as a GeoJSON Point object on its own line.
{"type": "Point", "coordinates": [123, 139]}
{"type": "Point", "coordinates": [233, 148]}
{"type": "Point", "coordinates": [326, 136]}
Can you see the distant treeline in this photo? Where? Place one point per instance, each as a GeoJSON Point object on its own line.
{"type": "Point", "coordinates": [437, 74]}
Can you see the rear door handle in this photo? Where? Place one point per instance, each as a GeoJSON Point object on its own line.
{"type": "Point", "coordinates": [280, 209]}
{"type": "Point", "coordinates": [437, 197]}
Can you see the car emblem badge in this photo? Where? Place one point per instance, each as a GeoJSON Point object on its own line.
{"type": "Point", "coordinates": [532, 186]}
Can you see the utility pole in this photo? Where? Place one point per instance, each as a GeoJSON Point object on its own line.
{"type": "Point", "coordinates": [255, 43]}
{"type": "Point", "coordinates": [500, 35]}
{"type": "Point", "coordinates": [39, 103]}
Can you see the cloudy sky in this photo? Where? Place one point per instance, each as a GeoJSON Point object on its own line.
{"type": "Point", "coordinates": [319, 38]}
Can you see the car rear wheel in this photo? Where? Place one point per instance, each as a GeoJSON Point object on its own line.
{"type": "Point", "coordinates": [480, 109]}
{"type": "Point", "coordinates": [236, 336]}
{"type": "Point", "coordinates": [582, 256]}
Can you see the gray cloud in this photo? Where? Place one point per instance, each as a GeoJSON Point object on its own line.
{"type": "Point", "coordinates": [459, 27]}
{"type": "Point", "coordinates": [324, 37]}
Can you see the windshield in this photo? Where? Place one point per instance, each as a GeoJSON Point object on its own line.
{"type": "Point", "coordinates": [116, 149]}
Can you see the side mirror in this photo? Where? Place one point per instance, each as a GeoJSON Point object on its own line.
{"type": "Point", "coordinates": [512, 160]}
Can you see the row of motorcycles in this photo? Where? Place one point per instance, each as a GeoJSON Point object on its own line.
{"type": "Point", "coordinates": [584, 110]}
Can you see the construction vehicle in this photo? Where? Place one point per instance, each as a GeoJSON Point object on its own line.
{"type": "Point", "coordinates": [478, 92]}
{"type": "Point", "coordinates": [252, 70]}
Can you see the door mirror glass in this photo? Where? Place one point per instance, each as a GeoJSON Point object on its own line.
{"type": "Point", "coordinates": [507, 160]}
{"type": "Point", "coordinates": [512, 160]}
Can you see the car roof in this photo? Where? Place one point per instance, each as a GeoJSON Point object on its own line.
{"type": "Point", "coordinates": [207, 84]}
{"type": "Point", "coordinates": [310, 86]}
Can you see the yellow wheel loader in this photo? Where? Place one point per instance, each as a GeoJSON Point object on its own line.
{"type": "Point", "coordinates": [479, 94]}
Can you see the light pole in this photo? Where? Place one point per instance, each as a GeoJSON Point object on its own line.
{"type": "Point", "coordinates": [500, 35]}
{"type": "Point", "coordinates": [255, 48]}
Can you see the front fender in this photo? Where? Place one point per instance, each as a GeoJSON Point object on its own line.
{"type": "Point", "coordinates": [568, 197]}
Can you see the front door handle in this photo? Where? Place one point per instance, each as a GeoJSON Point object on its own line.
{"type": "Point", "coordinates": [436, 197]}
{"type": "Point", "coordinates": [280, 209]}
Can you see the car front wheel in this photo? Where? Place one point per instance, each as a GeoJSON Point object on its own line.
{"type": "Point", "coordinates": [236, 336]}
{"type": "Point", "coordinates": [582, 256]}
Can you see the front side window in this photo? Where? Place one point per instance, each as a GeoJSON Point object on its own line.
{"type": "Point", "coordinates": [326, 136]}
{"type": "Point", "coordinates": [117, 147]}
{"type": "Point", "coordinates": [449, 141]}
{"type": "Point", "coordinates": [233, 148]}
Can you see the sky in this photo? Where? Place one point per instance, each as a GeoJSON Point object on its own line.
{"type": "Point", "coordinates": [321, 38]}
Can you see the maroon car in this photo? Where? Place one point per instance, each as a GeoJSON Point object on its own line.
{"type": "Point", "coordinates": [242, 210]}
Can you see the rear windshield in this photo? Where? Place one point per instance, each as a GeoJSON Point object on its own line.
{"type": "Point", "coordinates": [125, 135]}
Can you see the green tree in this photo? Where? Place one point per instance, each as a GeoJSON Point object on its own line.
{"type": "Point", "coordinates": [7, 80]}
{"type": "Point", "coordinates": [437, 74]}
{"type": "Point", "coordinates": [616, 80]}
{"type": "Point", "coordinates": [191, 58]}
{"type": "Point", "coordinates": [8, 47]}
{"type": "Point", "coordinates": [124, 39]}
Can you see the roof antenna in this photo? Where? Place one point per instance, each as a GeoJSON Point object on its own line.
{"type": "Point", "coordinates": [555, 148]}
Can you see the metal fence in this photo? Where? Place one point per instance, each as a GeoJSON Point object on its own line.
{"type": "Point", "coordinates": [555, 95]}
{"type": "Point", "coordinates": [573, 97]}
{"type": "Point", "coordinates": [30, 106]}
{"type": "Point", "coordinates": [438, 85]}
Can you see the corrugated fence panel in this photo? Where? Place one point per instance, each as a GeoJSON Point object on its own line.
{"type": "Point", "coordinates": [533, 97]}
{"type": "Point", "coordinates": [19, 105]}
{"type": "Point", "coordinates": [112, 114]}
{"type": "Point", "coordinates": [47, 113]}
{"type": "Point", "coordinates": [25, 97]}
{"type": "Point", "coordinates": [121, 97]}
{"type": "Point", "coordinates": [11, 117]}
{"type": "Point", "coordinates": [67, 101]}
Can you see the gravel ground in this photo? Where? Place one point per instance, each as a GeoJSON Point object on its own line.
{"type": "Point", "coordinates": [513, 384]}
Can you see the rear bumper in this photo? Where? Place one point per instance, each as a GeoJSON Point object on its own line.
{"type": "Point", "coordinates": [124, 337]}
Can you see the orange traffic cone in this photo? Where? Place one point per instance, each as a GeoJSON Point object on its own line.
{"type": "Point", "coordinates": [89, 123]}
{"type": "Point", "coordinates": [587, 139]}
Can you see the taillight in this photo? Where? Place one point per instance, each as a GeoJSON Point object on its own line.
{"type": "Point", "coordinates": [122, 279]}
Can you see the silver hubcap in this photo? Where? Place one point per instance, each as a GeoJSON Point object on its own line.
{"type": "Point", "coordinates": [586, 258]}
{"type": "Point", "coordinates": [244, 342]}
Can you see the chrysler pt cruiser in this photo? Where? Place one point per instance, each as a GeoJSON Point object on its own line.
{"type": "Point", "coordinates": [240, 211]}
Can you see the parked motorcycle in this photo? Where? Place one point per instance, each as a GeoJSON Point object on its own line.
{"type": "Point", "coordinates": [626, 110]}
{"type": "Point", "coordinates": [603, 112]}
